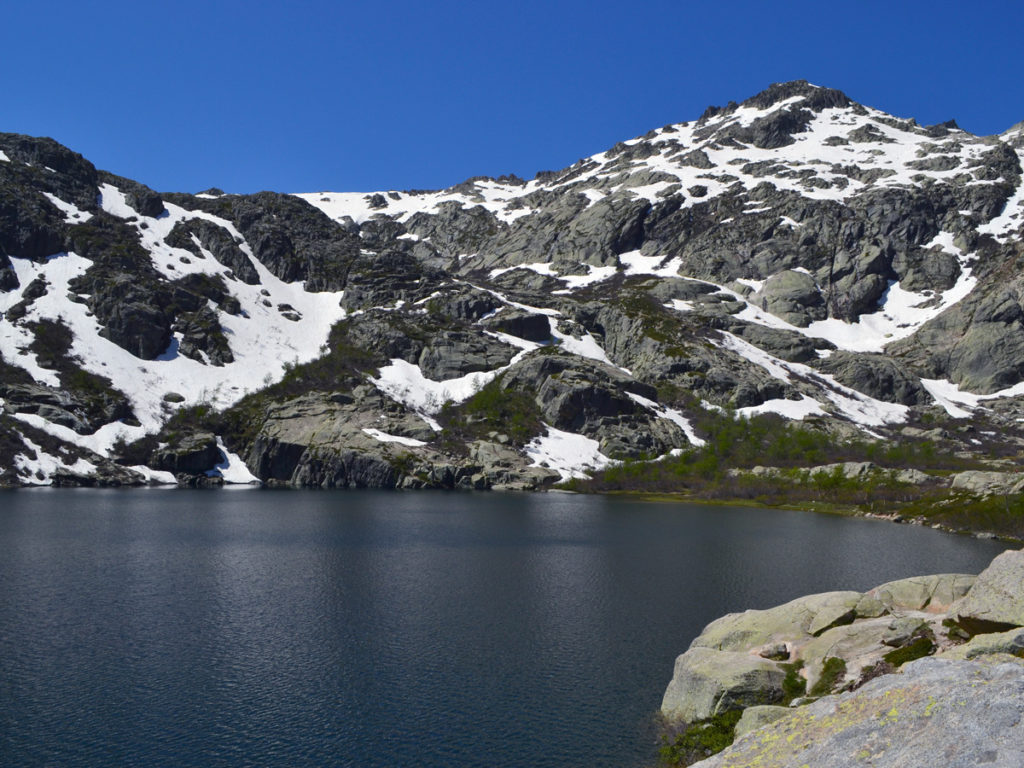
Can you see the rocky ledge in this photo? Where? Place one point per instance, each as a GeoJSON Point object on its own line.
{"type": "Point", "coordinates": [921, 671]}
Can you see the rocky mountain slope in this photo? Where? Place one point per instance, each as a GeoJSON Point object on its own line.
{"type": "Point", "coordinates": [796, 254]}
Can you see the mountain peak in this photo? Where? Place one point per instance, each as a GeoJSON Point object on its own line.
{"type": "Point", "coordinates": [815, 97]}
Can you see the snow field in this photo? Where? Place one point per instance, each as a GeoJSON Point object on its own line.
{"type": "Point", "coordinates": [568, 454]}
{"type": "Point", "coordinates": [261, 341]}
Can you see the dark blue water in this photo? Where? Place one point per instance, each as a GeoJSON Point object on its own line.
{"type": "Point", "coordinates": [312, 628]}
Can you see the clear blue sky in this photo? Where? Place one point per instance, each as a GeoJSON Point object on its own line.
{"type": "Point", "coordinates": [312, 95]}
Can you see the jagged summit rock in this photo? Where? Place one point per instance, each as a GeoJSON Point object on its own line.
{"type": "Point", "coordinates": [813, 96]}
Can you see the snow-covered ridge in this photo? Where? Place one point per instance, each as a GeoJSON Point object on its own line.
{"type": "Point", "coordinates": [893, 152]}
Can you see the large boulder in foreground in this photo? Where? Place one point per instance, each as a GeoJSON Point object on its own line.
{"type": "Point", "coordinates": [934, 712]}
{"type": "Point", "coordinates": [996, 601]}
{"type": "Point", "coordinates": [708, 682]}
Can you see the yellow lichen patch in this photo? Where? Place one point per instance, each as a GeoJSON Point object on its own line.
{"type": "Point", "coordinates": [782, 742]}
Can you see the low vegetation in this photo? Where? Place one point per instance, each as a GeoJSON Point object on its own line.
{"type": "Point", "coordinates": [699, 740]}
{"type": "Point", "coordinates": [917, 649]}
{"type": "Point", "coordinates": [493, 409]}
{"type": "Point", "coordinates": [721, 471]}
{"type": "Point", "coordinates": [833, 669]}
{"type": "Point", "coordinates": [794, 685]}
{"type": "Point", "coordinates": [736, 442]}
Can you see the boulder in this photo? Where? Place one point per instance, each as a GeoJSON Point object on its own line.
{"type": "Point", "coordinates": [851, 470]}
{"type": "Point", "coordinates": [878, 376]}
{"type": "Point", "coordinates": [996, 600]}
{"type": "Point", "coordinates": [190, 455]}
{"type": "Point", "coordinates": [919, 593]}
{"type": "Point", "coordinates": [793, 296]}
{"type": "Point", "coordinates": [707, 682]}
{"type": "Point", "coordinates": [912, 477]}
{"type": "Point", "coordinates": [935, 712]}
{"type": "Point", "coordinates": [783, 343]}
{"type": "Point", "coordinates": [452, 354]}
{"type": "Point", "coordinates": [985, 483]}
{"type": "Point", "coordinates": [524, 325]}
{"type": "Point", "coordinates": [466, 303]}
{"type": "Point", "coordinates": [1011, 641]}
{"type": "Point", "coordinates": [795, 620]}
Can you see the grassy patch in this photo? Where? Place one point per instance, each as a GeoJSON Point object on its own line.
{"type": "Point", "coordinates": [794, 685]}
{"type": "Point", "coordinates": [832, 671]}
{"type": "Point", "coordinates": [770, 440]}
{"type": "Point", "coordinates": [700, 740]}
{"type": "Point", "coordinates": [918, 649]}
{"type": "Point", "coordinates": [494, 408]}
{"type": "Point", "coordinates": [1001, 514]}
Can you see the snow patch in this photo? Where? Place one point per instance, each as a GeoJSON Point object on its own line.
{"type": "Point", "coordinates": [40, 470]}
{"type": "Point", "coordinates": [566, 453]}
{"type": "Point", "coordinates": [584, 346]}
{"type": "Point", "coordinates": [635, 263]}
{"type": "Point", "coordinates": [672, 415]}
{"type": "Point", "coordinates": [791, 409]}
{"type": "Point", "coordinates": [861, 409]}
{"type": "Point", "coordinates": [405, 383]}
{"type": "Point", "coordinates": [232, 468]}
{"type": "Point", "coordinates": [101, 441]}
{"type": "Point", "coordinates": [72, 213]}
{"type": "Point", "coordinates": [951, 397]}
{"type": "Point", "coordinates": [155, 476]}
{"type": "Point", "coordinates": [384, 437]}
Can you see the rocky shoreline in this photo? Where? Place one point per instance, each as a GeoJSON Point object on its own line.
{"type": "Point", "coordinates": [920, 671]}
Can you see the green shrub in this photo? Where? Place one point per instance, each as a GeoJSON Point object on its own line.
{"type": "Point", "coordinates": [832, 671]}
{"type": "Point", "coordinates": [494, 408]}
{"type": "Point", "coordinates": [700, 739]}
{"type": "Point", "coordinates": [794, 685]}
{"type": "Point", "coordinates": [918, 649]}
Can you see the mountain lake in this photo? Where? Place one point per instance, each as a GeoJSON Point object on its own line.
{"type": "Point", "coordinates": [356, 628]}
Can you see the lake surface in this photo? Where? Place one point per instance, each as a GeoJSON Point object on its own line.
{"type": "Point", "coordinates": [307, 628]}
